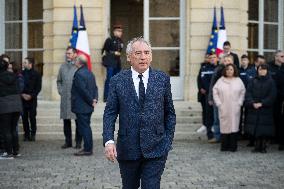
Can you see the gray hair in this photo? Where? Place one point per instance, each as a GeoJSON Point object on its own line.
{"type": "Point", "coordinates": [279, 51]}
{"type": "Point", "coordinates": [129, 47]}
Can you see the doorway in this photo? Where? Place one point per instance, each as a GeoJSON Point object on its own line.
{"type": "Point", "coordinates": [163, 24]}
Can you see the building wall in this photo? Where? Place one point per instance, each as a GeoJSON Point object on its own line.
{"type": "Point", "coordinates": [199, 23]}
{"type": "Point", "coordinates": [58, 19]}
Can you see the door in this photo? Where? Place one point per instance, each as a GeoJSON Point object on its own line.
{"type": "Point", "coordinates": [164, 27]}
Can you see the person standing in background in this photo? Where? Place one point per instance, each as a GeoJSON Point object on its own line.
{"type": "Point", "coordinates": [227, 50]}
{"type": "Point", "coordinates": [260, 96]}
{"type": "Point", "coordinates": [32, 87]}
{"type": "Point", "coordinates": [111, 60]}
{"type": "Point", "coordinates": [228, 93]}
{"type": "Point", "coordinates": [84, 97]}
{"type": "Point", "coordinates": [64, 84]}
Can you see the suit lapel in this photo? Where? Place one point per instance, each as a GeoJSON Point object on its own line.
{"type": "Point", "coordinates": [150, 84]}
{"type": "Point", "coordinates": [131, 87]}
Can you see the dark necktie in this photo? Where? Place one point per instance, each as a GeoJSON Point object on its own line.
{"type": "Point", "coordinates": [141, 91]}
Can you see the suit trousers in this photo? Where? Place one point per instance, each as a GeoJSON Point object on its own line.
{"type": "Point", "coordinates": [149, 171]}
{"type": "Point", "coordinates": [84, 128]}
{"type": "Point", "coordinates": [9, 132]}
{"type": "Point", "coordinates": [29, 119]}
{"type": "Point", "coordinates": [68, 133]}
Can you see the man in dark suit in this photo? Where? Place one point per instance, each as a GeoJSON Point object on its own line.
{"type": "Point", "coordinates": [227, 50]}
{"type": "Point", "coordinates": [142, 98]}
{"type": "Point", "coordinates": [32, 87]}
{"type": "Point", "coordinates": [84, 97]}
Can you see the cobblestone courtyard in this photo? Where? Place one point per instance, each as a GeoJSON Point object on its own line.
{"type": "Point", "coordinates": [192, 164]}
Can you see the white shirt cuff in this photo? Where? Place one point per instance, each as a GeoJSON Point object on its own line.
{"type": "Point", "coordinates": [109, 142]}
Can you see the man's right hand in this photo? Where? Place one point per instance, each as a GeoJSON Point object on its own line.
{"type": "Point", "coordinates": [203, 91]}
{"type": "Point", "coordinates": [110, 152]}
{"type": "Point", "coordinates": [210, 102]}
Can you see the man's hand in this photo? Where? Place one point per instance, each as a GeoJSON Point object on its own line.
{"type": "Point", "coordinates": [95, 102]}
{"type": "Point", "coordinates": [26, 97]}
{"type": "Point", "coordinates": [117, 53]}
{"type": "Point", "coordinates": [203, 91]}
{"type": "Point", "coordinates": [210, 102]}
{"type": "Point", "coordinates": [257, 105]}
{"type": "Point", "coordinates": [110, 152]}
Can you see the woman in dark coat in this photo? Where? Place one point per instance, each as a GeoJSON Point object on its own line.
{"type": "Point", "coordinates": [259, 100]}
{"type": "Point", "coordinates": [10, 108]}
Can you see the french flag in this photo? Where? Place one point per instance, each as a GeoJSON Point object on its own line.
{"type": "Point", "coordinates": [222, 34]}
{"type": "Point", "coordinates": [82, 44]}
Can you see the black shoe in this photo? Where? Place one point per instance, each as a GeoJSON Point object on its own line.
{"type": "Point", "coordinates": [256, 151]}
{"type": "Point", "coordinates": [26, 139]}
{"type": "Point", "coordinates": [250, 144]}
{"type": "Point", "coordinates": [78, 146]}
{"type": "Point", "coordinates": [64, 146]}
{"type": "Point", "coordinates": [83, 153]}
{"type": "Point", "coordinates": [281, 148]}
{"type": "Point", "coordinates": [32, 138]}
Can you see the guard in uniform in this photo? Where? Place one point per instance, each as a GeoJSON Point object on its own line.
{"type": "Point", "coordinates": [111, 60]}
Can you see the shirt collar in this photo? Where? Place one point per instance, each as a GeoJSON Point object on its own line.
{"type": "Point", "coordinates": [135, 73]}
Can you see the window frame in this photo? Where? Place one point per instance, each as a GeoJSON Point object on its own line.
{"type": "Point", "coordinates": [25, 21]}
{"type": "Point", "coordinates": [261, 23]}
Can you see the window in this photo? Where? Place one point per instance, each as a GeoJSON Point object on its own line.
{"type": "Point", "coordinates": [265, 28]}
{"type": "Point", "coordinates": [22, 23]}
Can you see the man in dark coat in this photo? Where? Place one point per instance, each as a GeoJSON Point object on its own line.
{"type": "Point", "coordinates": [112, 48]}
{"type": "Point", "coordinates": [227, 50]}
{"type": "Point", "coordinates": [259, 101]}
{"type": "Point", "coordinates": [84, 97]}
{"type": "Point", "coordinates": [274, 70]}
{"type": "Point", "coordinates": [279, 80]}
{"type": "Point", "coordinates": [32, 87]}
{"type": "Point", "coordinates": [142, 98]}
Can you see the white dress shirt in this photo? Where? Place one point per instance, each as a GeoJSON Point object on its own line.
{"type": "Point", "coordinates": [136, 81]}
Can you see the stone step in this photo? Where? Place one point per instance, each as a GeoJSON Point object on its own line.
{"type": "Point", "coordinates": [179, 135]}
{"type": "Point", "coordinates": [56, 113]}
{"type": "Point", "coordinates": [54, 120]}
{"type": "Point", "coordinates": [99, 127]}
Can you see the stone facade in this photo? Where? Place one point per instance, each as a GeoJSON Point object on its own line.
{"type": "Point", "coordinates": [58, 17]}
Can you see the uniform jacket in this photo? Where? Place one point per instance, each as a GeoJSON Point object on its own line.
{"type": "Point", "coordinates": [64, 85]}
{"type": "Point", "coordinates": [147, 132]}
{"type": "Point", "coordinates": [84, 91]}
{"type": "Point", "coordinates": [204, 76]}
{"type": "Point", "coordinates": [111, 45]}
{"type": "Point", "coordinates": [229, 97]}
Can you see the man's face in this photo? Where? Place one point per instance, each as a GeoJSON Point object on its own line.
{"type": "Point", "coordinates": [259, 61]}
{"type": "Point", "coordinates": [27, 65]}
{"type": "Point", "coordinates": [70, 55]}
{"type": "Point", "coordinates": [10, 68]}
{"type": "Point", "coordinates": [244, 62]}
{"type": "Point", "coordinates": [280, 57]}
{"type": "Point", "coordinates": [213, 59]}
{"type": "Point", "coordinates": [228, 60]}
{"type": "Point", "coordinates": [117, 32]}
{"type": "Point", "coordinates": [227, 49]}
{"type": "Point", "coordinates": [140, 57]}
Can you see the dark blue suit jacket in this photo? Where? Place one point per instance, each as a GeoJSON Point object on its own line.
{"type": "Point", "coordinates": [147, 132]}
{"type": "Point", "coordinates": [84, 91]}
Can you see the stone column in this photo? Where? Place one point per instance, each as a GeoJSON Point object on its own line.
{"type": "Point", "coordinates": [199, 23]}
{"type": "Point", "coordinates": [58, 19]}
